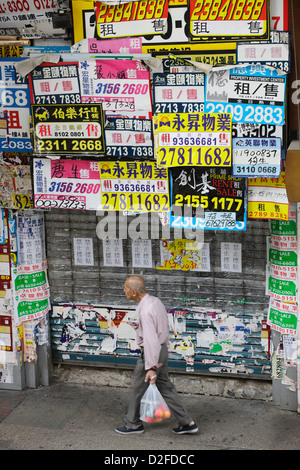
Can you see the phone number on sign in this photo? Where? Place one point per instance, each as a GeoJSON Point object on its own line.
{"type": "Point", "coordinates": [252, 114]}
{"type": "Point", "coordinates": [212, 10]}
{"type": "Point", "coordinates": [131, 187]}
{"type": "Point", "coordinates": [62, 187]}
{"type": "Point", "coordinates": [135, 202]}
{"type": "Point", "coordinates": [60, 202]}
{"type": "Point", "coordinates": [180, 156]}
{"type": "Point", "coordinates": [79, 145]}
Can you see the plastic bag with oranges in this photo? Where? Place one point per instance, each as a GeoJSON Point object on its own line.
{"type": "Point", "coordinates": [153, 408]}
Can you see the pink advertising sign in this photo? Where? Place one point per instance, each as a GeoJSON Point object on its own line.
{"type": "Point", "coordinates": [121, 85]}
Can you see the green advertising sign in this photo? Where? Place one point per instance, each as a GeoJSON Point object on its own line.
{"type": "Point", "coordinates": [283, 228]}
{"type": "Point", "coordinates": [282, 257]}
{"type": "Point", "coordinates": [283, 320]}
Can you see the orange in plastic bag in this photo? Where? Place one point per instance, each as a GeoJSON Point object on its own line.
{"type": "Point", "coordinates": [153, 408]}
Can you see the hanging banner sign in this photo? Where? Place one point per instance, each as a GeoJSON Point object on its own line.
{"type": "Point", "coordinates": [196, 139]}
{"type": "Point", "coordinates": [55, 83]}
{"type": "Point", "coordinates": [178, 92]}
{"type": "Point", "coordinates": [233, 20]}
{"type": "Point", "coordinates": [267, 198]}
{"type": "Point", "coordinates": [62, 129]}
{"type": "Point", "coordinates": [66, 184]}
{"type": "Point", "coordinates": [221, 196]}
{"type": "Point", "coordinates": [125, 137]}
{"type": "Point", "coordinates": [256, 156]}
{"type": "Point", "coordinates": [275, 52]}
{"type": "Point", "coordinates": [120, 85]}
{"type": "Point", "coordinates": [14, 109]}
{"type": "Point", "coordinates": [140, 18]}
{"type": "Point", "coordinates": [254, 93]}
{"type": "Point", "coordinates": [134, 186]}
{"type": "Point", "coordinates": [282, 317]}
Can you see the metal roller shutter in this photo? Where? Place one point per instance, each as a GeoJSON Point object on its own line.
{"type": "Point", "coordinates": [217, 318]}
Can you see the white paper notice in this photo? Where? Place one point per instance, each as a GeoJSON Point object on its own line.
{"type": "Point", "coordinates": [141, 253]}
{"type": "Point", "coordinates": [112, 252]}
{"type": "Point", "coordinates": [31, 239]}
{"type": "Point", "coordinates": [83, 252]}
{"type": "Point", "coordinates": [204, 264]}
{"type": "Point", "coordinates": [231, 257]}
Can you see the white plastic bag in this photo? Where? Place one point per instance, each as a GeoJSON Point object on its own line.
{"type": "Point", "coordinates": [153, 408]}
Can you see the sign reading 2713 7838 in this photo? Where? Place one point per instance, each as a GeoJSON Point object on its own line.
{"type": "Point", "coordinates": [221, 20]}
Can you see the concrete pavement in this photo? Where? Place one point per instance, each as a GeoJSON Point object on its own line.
{"type": "Point", "coordinates": [82, 417]}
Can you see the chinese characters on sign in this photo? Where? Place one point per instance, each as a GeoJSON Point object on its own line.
{"type": "Point", "coordinates": [66, 184]}
{"type": "Point", "coordinates": [139, 18]}
{"type": "Point", "coordinates": [220, 196]}
{"type": "Point", "coordinates": [53, 84]}
{"type": "Point", "coordinates": [104, 185]}
{"type": "Point", "coordinates": [267, 198]}
{"type": "Point", "coordinates": [256, 156]}
{"type": "Point", "coordinates": [14, 109]}
{"type": "Point", "coordinates": [120, 85]}
{"type": "Point", "coordinates": [254, 93]}
{"type": "Point", "coordinates": [63, 129]}
{"type": "Point", "coordinates": [195, 139]}
{"type": "Point", "coordinates": [134, 186]}
{"type": "Point", "coordinates": [229, 20]}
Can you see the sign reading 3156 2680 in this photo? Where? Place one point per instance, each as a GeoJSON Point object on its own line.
{"type": "Point", "coordinates": [65, 129]}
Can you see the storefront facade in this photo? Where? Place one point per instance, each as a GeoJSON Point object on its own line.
{"type": "Point", "coordinates": [124, 156]}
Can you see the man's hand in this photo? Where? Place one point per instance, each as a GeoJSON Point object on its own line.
{"type": "Point", "coordinates": [151, 375]}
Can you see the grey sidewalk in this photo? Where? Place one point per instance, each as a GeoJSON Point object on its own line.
{"type": "Point", "coordinates": [82, 417]}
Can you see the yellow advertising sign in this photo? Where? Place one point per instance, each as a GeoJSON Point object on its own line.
{"type": "Point", "coordinates": [134, 186]}
{"type": "Point", "coordinates": [221, 20]}
{"type": "Point", "coordinates": [193, 139]}
{"type": "Point", "coordinates": [135, 18]}
{"type": "Point", "coordinates": [185, 255]}
{"type": "Point", "coordinates": [267, 198]}
{"type": "Point", "coordinates": [81, 9]}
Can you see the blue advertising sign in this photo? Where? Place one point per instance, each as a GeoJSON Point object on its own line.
{"type": "Point", "coordinates": [253, 93]}
{"type": "Point", "coordinates": [55, 84]}
{"type": "Point", "coordinates": [181, 92]}
{"type": "Point", "coordinates": [207, 198]}
{"type": "Point", "coordinates": [256, 156]}
{"type": "Point", "coordinates": [14, 109]}
{"type": "Point", "coordinates": [126, 137]}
